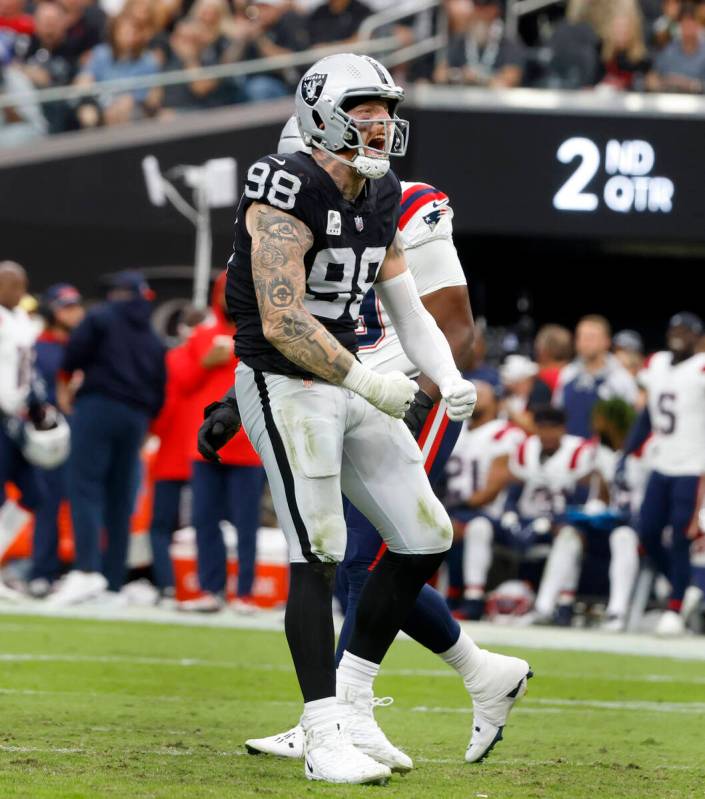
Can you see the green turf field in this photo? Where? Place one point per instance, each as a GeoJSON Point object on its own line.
{"type": "Point", "coordinates": [106, 709]}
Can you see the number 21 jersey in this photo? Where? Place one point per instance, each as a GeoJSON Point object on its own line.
{"type": "Point", "coordinates": [350, 240]}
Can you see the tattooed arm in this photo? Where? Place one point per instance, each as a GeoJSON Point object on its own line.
{"type": "Point", "coordinates": [279, 243]}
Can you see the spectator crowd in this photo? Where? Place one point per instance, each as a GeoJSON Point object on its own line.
{"type": "Point", "coordinates": [545, 485]}
{"type": "Point", "coordinates": [609, 45]}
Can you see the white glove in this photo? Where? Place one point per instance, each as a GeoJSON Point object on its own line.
{"type": "Point", "coordinates": [460, 396]}
{"type": "Point", "coordinates": [392, 393]}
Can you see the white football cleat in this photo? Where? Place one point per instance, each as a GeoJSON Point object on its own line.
{"type": "Point", "coordinates": [614, 624]}
{"type": "Point", "coordinates": [500, 684]}
{"type": "Point", "coordinates": [78, 587]}
{"type": "Point", "coordinates": [670, 624]}
{"type": "Point", "coordinates": [8, 594]}
{"type": "Point", "coordinates": [286, 744]}
{"type": "Point", "coordinates": [364, 731]}
{"type": "Point", "coordinates": [329, 756]}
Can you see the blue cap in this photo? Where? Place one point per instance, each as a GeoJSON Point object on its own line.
{"type": "Point", "coordinates": [60, 295]}
{"type": "Point", "coordinates": [688, 320]}
{"type": "Point", "coordinates": [628, 340]}
{"type": "Point", "coordinates": [130, 280]}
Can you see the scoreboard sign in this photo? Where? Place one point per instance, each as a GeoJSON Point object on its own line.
{"type": "Point", "coordinates": [594, 175]}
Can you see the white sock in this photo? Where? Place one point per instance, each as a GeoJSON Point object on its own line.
{"type": "Point", "coordinates": [320, 711]}
{"type": "Point", "coordinates": [356, 672]}
{"type": "Point", "coordinates": [12, 520]}
{"type": "Point", "coordinates": [465, 657]}
{"type": "Point", "coordinates": [477, 556]}
{"type": "Point", "coordinates": [562, 570]}
{"type": "Point", "coordinates": [624, 567]}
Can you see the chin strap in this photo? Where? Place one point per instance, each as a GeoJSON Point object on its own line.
{"type": "Point", "coordinates": [373, 168]}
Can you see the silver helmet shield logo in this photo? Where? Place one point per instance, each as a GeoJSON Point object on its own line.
{"type": "Point", "coordinates": [311, 87]}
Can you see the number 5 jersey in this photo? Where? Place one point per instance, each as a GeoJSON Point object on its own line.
{"type": "Point", "coordinates": [676, 399]}
{"type": "Point", "coordinates": [350, 241]}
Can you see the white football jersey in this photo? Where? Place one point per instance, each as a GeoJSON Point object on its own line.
{"type": "Point", "coordinates": [547, 482]}
{"type": "Point", "coordinates": [676, 401]}
{"type": "Point", "coordinates": [17, 336]}
{"type": "Point", "coordinates": [469, 465]}
{"type": "Point", "coordinates": [636, 474]}
{"type": "Point", "coordinates": [426, 230]}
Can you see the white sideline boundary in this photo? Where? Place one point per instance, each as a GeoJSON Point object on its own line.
{"type": "Point", "coordinates": [690, 647]}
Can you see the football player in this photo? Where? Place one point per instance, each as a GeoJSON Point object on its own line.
{"type": "Point", "coordinates": [31, 432]}
{"type": "Point", "coordinates": [425, 228]}
{"type": "Point", "coordinates": [674, 381]}
{"type": "Point", "coordinates": [313, 233]}
{"type": "Point", "coordinates": [550, 466]}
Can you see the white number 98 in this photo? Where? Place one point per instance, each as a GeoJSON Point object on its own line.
{"type": "Point", "coordinates": [282, 191]}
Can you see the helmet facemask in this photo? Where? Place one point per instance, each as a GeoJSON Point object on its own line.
{"type": "Point", "coordinates": [369, 161]}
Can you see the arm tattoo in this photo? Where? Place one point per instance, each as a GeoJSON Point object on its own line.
{"type": "Point", "coordinates": [279, 243]}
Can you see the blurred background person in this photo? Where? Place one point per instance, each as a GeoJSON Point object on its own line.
{"type": "Point", "coordinates": [62, 307]}
{"type": "Point", "coordinates": [680, 66]}
{"type": "Point", "coordinates": [47, 60]}
{"type": "Point", "coordinates": [336, 21]}
{"type": "Point", "coordinates": [274, 29]}
{"type": "Point", "coordinates": [14, 17]}
{"type": "Point", "coordinates": [171, 472]}
{"type": "Point", "coordinates": [124, 55]}
{"type": "Point", "coordinates": [232, 487]}
{"type": "Point", "coordinates": [122, 360]}
{"type": "Point", "coordinates": [17, 335]}
{"type": "Point", "coordinates": [524, 391]}
{"type": "Point", "coordinates": [625, 58]}
{"type": "Point", "coordinates": [628, 348]}
{"type": "Point", "coordinates": [21, 123]}
{"type": "Point", "coordinates": [481, 369]}
{"type": "Point", "coordinates": [87, 27]}
{"type": "Point", "coordinates": [594, 374]}
{"type": "Point", "coordinates": [188, 49]}
{"type": "Point", "coordinates": [477, 476]}
{"type": "Point", "coordinates": [553, 349]}
{"type": "Point", "coordinates": [478, 52]}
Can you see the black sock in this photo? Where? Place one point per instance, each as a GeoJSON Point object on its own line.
{"type": "Point", "coordinates": [387, 599]}
{"type": "Point", "coordinates": [309, 628]}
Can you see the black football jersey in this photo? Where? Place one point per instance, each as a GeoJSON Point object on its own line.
{"type": "Point", "coordinates": [350, 240]}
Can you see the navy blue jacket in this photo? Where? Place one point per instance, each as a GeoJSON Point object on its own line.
{"type": "Point", "coordinates": [120, 354]}
{"type": "Point", "coordinates": [49, 351]}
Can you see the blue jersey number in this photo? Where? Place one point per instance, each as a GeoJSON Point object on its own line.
{"type": "Point", "coordinates": [370, 330]}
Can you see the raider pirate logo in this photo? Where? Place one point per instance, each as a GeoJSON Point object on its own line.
{"type": "Point", "coordinates": [312, 86]}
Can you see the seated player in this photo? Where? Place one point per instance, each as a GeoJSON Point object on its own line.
{"type": "Point", "coordinates": [550, 467]}
{"type": "Point", "coordinates": [477, 476]}
{"type": "Point", "coordinates": [606, 532]}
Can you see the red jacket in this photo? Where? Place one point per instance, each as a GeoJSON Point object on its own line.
{"type": "Point", "coordinates": [201, 386]}
{"type": "Point", "coordinates": [173, 425]}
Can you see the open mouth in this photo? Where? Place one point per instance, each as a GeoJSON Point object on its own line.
{"type": "Point", "coordinates": [376, 147]}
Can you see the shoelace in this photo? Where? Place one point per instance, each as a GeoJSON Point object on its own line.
{"type": "Point", "coordinates": [382, 701]}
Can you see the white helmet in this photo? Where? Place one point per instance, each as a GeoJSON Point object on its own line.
{"type": "Point", "coordinates": [330, 88]}
{"type": "Point", "coordinates": [290, 140]}
{"type": "Point", "coordinates": [47, 448]}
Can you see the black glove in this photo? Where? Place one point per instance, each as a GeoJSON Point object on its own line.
{"type": "Point", "coordinates": [419, 409]}
{"type": "Point", "coordinates": [222, 421]}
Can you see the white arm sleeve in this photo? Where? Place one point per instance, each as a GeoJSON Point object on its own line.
{"type": "Point", "coordinates": [420, 337]}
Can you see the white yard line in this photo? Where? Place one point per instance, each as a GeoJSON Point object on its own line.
{"type": "Point", "coordinates": [497, 635]}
